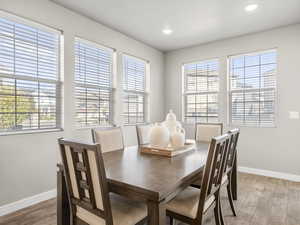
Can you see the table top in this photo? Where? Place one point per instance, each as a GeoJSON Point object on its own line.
{"type": "Point", "coordinates": [156, 175]}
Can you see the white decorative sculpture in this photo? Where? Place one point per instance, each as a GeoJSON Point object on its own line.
{"type": "Point", "coordinates": [178, 138]}
{"type": "Point", "coordinates": [159, 136]}
{"type": "Point", "coordinates": [171, 123]}
{"type": "Point", "coordinates": [169, 133]}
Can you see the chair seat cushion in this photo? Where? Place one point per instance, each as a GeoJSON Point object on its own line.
{"type": "Point", "coordinates": [124, 211]}
{"type": "Point", "coordinates": [186, 203]}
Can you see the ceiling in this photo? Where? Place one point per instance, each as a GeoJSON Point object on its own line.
{"type": "Point", "coordinates": [192, 21]}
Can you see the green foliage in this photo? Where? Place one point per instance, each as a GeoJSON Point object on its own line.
{"type": "Point", "coordinates": [47, 117]}
{"type": "Point", "coordinates": [8, 103]}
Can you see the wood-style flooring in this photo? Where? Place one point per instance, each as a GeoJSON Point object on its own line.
{"type": "Point", "coordinates": [262, 201]}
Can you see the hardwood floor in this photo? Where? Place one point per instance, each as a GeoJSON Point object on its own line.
{"type": "Point", "coordinates": [41, 214]}
{"type": "Point", "coordinates": [262, 201]}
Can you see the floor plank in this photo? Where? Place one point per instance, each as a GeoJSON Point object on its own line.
{"type": "Point", "coordinates": [262, 201]}
{"type": "Point", "coordinates": [293, 208]}
{"type": "Point", "coordinates": [41, 214]}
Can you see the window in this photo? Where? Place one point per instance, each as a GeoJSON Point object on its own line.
{"type": "Point", "coordinates": [30, 88]}
{"type": "Point", "coordinates": [252, 89]}
{"type": "Point", "coordinates": [93, 84]}
{"type": "Point", "coordinates": [134, 85]}
{"type": "Point", "coordinates": [201, 87]}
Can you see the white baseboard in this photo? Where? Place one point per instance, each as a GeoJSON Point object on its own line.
{"type": "Point", "coordinates": [268, 173]}
{"type": "Point", "coordinates": [26, 202]}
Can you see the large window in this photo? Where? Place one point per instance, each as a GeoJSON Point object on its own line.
{"type": "Point", "coordinates": [253, 88]}
{"type": "Point", "coordinates": [201, 87]}
{"type": "Point", "coordinates": [93, 84]}
{"type": "Point", "coordinates": [134, 86]}
{"type": "Point", "coordinates": [29, 77]}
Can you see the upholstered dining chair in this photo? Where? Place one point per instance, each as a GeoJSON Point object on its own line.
{"type": "Point", "coordinates": [110, 138]}
{"type": "Point", "coordinates": [87, 187]}
{"type": "Point", "coordinates": [227, 177]}
{"type": "Point", "coordinates": [143, 132]}
{"type": "Point", "coordinates": [206, 131]}
{"type": "Point", "coordinates": [190, 205]}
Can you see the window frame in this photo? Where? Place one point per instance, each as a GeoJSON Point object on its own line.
{"type": "Point", "coordinates": [229, 91]}
{"type": "Point", "coordinates": [185, 93]}
{"type": "Point", "coordinates": [58, 82]}
{"type": "Point", "coordinates": [145, 93]}
{"type": "Point", "coordinates": [112, 89]}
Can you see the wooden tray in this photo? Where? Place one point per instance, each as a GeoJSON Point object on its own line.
{"type": "Point", "coordinates": [168, 151]}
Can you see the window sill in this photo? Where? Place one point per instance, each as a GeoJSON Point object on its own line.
{"type": "Point", "coordinates": [134, 124]}
{"type": "Point", "coordinates": [91, 127]}
{"type": "Point", "coordinates": [31, 132]}
{"type": "Point", "coordinates": [250, 126]}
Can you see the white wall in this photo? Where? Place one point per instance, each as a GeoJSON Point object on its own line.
{"type": "Point", "coordinates": [275, 149]}
{"type": "Point", "coordinates": [28, 162]}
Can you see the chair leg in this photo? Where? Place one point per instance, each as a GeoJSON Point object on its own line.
{"type": "Point", "coordinates": [229, 193]}
{"type": "Point", "coordinates": [221, 213]}
{"type": "Point", "coordinates": [171, 221]}
{"type": "Point", "coordinates": [217, 212]}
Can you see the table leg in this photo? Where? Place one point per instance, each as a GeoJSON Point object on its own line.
{"type": "Point", "coordinates": [156, 213]}
{"type": "Point", "coordinates": [63, 208]}
{"type": "Point", "coordinates": [234, 179]}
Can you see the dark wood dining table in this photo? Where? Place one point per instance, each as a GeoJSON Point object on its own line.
{"type": "Point", "coordinates": [148, 178]}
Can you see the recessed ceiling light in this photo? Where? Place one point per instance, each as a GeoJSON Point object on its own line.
{"type": "Point", "coordinates": [167, 31]}
{"type": "Point", "coordinates": [251, 7]}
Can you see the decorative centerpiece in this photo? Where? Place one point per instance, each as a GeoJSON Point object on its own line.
{"type": "Point", "coordinates": [178, 138]}
{"type": "Point", "coordinates": [159, 136]}
{"type": "Point", "coordinates": [171, 122]}
{"type": "Point", "coordinates": [167, 138]}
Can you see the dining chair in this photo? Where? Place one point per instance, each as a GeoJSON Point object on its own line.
{"type": "Point", "coordinates": [206, 131]}
{"type": "Point", "coordinates": [110, 138]}
{"type": "Point", "coordinates": [143, 132]}
{"type": "Point", "coordinates": [87, 188]}
{"type": "Point", "coordinates": [190, 205]}
{"type": "Point", "coordinates": [227, 177]}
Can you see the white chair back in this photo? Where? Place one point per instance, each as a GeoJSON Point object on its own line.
{"type": "Point", "coordinates": [110, 139]}
{"type": "Point", "coordinates": [206, 131]}
{"type": "Point", "coordinates": [143, 134]}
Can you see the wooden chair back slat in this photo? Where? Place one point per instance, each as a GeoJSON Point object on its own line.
{"type": "Point", "coordinates": [75, 159]}
{"type": "Point", "coordinates": [88, 183]}
{"type": "Point", "coordinates": [233, 147]}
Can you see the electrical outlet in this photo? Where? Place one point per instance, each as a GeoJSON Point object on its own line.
{"type": "Point", "coordinates": [294, 115]}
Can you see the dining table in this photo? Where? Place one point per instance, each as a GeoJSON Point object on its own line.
{"type": "Point", "coordinates": [144, 177]}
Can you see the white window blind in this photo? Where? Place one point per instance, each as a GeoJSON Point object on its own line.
{"type": "Point", "coordinates": [93, 84]}
{"type": "Point", "coordinates": [134, 85]}
{"type": "Point", "coordinates": [29, 78]}
{"type": "Point", "coordinates": [253, 89]}
{"type": "Point", "coordinates": [201, 87]}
